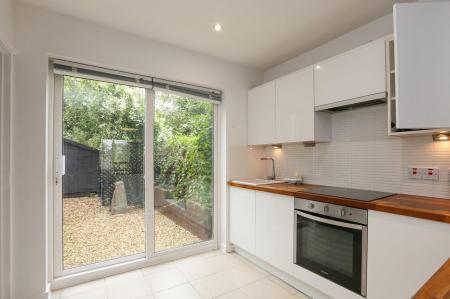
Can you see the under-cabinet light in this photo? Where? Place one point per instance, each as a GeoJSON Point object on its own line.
{"type": "Point", "coordinates": [442, 136]}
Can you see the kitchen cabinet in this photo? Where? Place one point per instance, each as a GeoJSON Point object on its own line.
{"type": "Point", "coordinates": [296, 120]}
{"type": "Point", "coordinates": [242, 218]}
{"type": "Point", "coordinates": [354, 76]}
{"type": "Point", "coordinates": [282, 111]}
{"type": "Point", "coordinates": [422, 65]}
{"type": "Point", "coordinates": [261, 114]}
{"type": "Point", "coordinates": [403, 253]}
{"type": "Point", "coordinates": [275, 230]}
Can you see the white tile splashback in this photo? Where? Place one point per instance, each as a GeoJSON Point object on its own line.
{"type": "Point", "coordinates": [362, 155]}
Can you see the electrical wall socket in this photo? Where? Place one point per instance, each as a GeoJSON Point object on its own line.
{"type": "Point", "coordinates": [424, 173]}
{"type": "Point", "coordinates": [431, 173]}
{"type": "Point", "coordinates": [415, 173]}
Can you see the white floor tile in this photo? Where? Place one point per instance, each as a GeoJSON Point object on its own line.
{"type": "Point", "coordinates": [55, 295]}
{"type": "Point", "coordinates": [211, 275]}
{"type": "Point", "coordinates": [124, 276]}
{"type": "Point", "coordinates": [184, 291]}
{"type": "Point", "coordinates": [282, 284]}
{"type": "Point", "coordinates": [201, 256]}
{"type": "Point", "coordinates": [236, 294]}
{"type": "Point", "coordinates": [265, 289]}
{"type": "Point", "coordinates": [165, 279]}
{"type": "Point", "coordinates": [82, 288]}
{"type": "Point", "coordinates": [159, 268]}
{"type": "Point", "coordinates": [198, 268]}
{"type": "Point", "coordinates": [227, 281]}
{"type": "Point", "coordinates": [131, 288]}
{"type": "Point", "coordinates": [299, 296]}
{"type": "Point", "coordinates": [91, 294]}
{"type": "Point", "coordinates": [149, 296]}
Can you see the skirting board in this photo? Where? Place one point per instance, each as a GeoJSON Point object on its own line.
{"type": "Point", "coordinates": [289, 279]}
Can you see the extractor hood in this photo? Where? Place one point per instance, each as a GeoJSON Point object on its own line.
{"type": "Point", "coordinates": [370, 100]}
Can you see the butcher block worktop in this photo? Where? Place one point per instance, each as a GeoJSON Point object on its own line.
{"type": "Point", "coordinates": [438, 286]}
{"type": "Point", "coordinates": [431, 208]}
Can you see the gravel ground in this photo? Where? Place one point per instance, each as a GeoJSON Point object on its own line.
{"type": "Point", "coordinates": [92, 234]}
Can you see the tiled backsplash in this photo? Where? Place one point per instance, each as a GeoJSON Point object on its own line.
{"type": "Point", "coordinates": [362, 155]}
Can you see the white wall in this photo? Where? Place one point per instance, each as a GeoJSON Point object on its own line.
{"type": "Point", "coordinates": [41, 34]}
{"type": "Point", "coordinates": [374, 30]}
{"type": "Point", "coordinates": [6, 23]}
{"type": "Point", "coordinates": [362, 155]}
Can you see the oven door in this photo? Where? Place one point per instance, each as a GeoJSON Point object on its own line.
{"type": "Point", "coordinates": [334, 249]}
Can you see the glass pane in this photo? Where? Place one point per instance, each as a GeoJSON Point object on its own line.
{"type": "Point", "coordinates": [329, 246]}
{"type": "Point", "coordinates": [103, 184]}
{"type": "Point", "coordinates": [184, 170]}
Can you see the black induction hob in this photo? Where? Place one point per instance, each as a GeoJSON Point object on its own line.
{"type": "Point", "coordinates": [356, 194]}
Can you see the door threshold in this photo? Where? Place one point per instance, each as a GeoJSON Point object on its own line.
{"type": "Point", "coordinates": [100, 273]}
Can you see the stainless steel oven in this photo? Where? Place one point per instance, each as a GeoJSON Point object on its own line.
{"type": "Point", "coordinates": [331, 241]}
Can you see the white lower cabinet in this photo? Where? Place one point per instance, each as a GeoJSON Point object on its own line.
{"type": "Point", "coordinates": [275, 230]}
{"type": "Point", "coordinates": [403, 254]}
{"type": "Point", "coordinates": [242, 218]}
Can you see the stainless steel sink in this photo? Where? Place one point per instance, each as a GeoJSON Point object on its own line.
{"type": "Point", "coordinates": [257, 182]}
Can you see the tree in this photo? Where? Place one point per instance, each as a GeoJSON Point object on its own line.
{"type": "Point", "coordinates": [95, 110]}
{"type": "Point", "coordinates": [183, 131]}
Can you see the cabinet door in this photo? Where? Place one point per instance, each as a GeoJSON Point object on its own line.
{"type": "Point", "coordinates": [422, 47]}
{"type": "Point", "coordinates": [242, 218]}
{"type": "Point", "coordinates": [295, 107]}
{"type": "Point", "coordinates": [353, 74]}
{"type": "Point", "coordinates": [261, 114]}
{"type": "Point", "coordinates": [403, 253]}
{"type": "Point", "coordinates": [275, 230]}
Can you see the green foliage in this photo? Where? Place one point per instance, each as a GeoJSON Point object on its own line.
{"type": "Point", "coordinates": [95, 110]}
{"type": "Point", "coordinates": [183, 147]}
{"type": "Point", "coordinates": [183, 131]}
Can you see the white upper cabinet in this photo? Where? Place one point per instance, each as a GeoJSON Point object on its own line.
{"type": "Point", "coordinates": [422, 65]}
{"type": "Point", "coordinates": [352, 75]}
{"type": "Point", "coordinates": [295, 116]}
{"type": "Point", "coordinates": [282, 111]}
{"type": "Point", "coordinates": [261, 114]}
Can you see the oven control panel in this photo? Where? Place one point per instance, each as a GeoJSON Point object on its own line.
{"type": "Point", "coordinates": [332, 210]}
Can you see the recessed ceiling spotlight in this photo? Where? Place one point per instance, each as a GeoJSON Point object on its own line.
{"type": "Point", "coordinates": [318, 67]}
{"type": "Point", "coordinates": [217, 27]}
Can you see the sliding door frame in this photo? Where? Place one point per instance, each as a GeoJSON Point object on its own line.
{"type": "Point", "coordinates": [58, 246]}
{"type": "Point", "coordinates": [60, 278]}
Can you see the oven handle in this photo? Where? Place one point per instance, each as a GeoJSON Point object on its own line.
{"type": "Point", "coordinates": [331, 222]}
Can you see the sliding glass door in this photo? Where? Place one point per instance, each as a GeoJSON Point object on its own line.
{"type": "Point", "coordinates": [183, 149]}
{"type": "Point", "coordinates": [134, 173]}
{"type": "Point", "coordinates": [99, 146]}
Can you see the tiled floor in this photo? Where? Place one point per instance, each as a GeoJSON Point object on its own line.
{"type": "Point", "coordinates": [210, 275]}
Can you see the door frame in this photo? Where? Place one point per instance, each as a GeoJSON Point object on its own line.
{"type": "Point", "coordinates": [6, 77]}
{"type": "Point", "coordinates": [60, 278]}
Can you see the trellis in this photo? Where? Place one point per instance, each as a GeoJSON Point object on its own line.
{"type": "Point", "coordinates": [122, 160]}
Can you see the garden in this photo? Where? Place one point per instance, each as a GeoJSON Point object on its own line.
{"type": "Point", "coordinates": [104, 190]}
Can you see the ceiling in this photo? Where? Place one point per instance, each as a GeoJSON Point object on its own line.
{"type": "Point", "coordinates": [256, 33]}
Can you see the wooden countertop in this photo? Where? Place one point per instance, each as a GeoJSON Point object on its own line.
{"type": "Point", "coordinates": [431, 208]}
{"type": "Point", "coordinates": [438, 286]}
